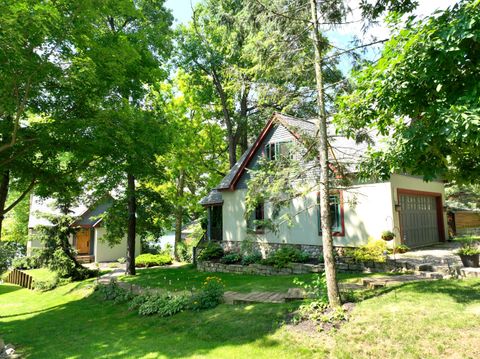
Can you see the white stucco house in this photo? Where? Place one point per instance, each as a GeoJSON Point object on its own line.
{"type": "Point", "coordinates": [410, 207]}
{"type": "Point", "coordinates": [87, 239]}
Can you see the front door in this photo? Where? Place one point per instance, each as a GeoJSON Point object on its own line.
{"type": "Point", "coordinates": [83, 241]}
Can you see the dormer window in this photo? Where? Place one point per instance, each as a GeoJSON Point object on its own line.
{"type": "Point", "coordinates": [278, 150]}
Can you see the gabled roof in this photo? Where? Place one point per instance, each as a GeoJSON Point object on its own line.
{"type": "Point", "coordinates": [343, 150]}
{"type": "Point", "coordinates": [86, 217]}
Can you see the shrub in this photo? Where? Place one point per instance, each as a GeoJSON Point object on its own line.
{"type": "Point", "coordinates": [211, 251]}
{"type": "Point", "coordinates": [112, 291]}
{"type": "Point", "coordinates": [122, 260]}
{"type": "Point", "coordinates": [317, 288]}
{"type": "Point", "coordinates": [252, 258]}
{"type": "Point", "coordinates": [165, 305]}
{"type": "Point", "coordinates": [231, 258]}
{"type": "Point", "coordinates": [373, 251]}
{"type": "Point", "coordinates": [284, 256]}
{"type": "Point", "coordinates": [32, 262]}
{"type": "Point", "coordinates": [150, 260]}
{"type": "Point", "coordinates": [44, 285]}
{"type": "Point", "coordinates": [210, 294]}
{"type": "Point", "coordinates": [401, 248]}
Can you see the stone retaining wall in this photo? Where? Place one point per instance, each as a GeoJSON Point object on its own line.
{"type": "Point", "coordinates": [344, 265]}
{"type": "Point", "coordinates": [260, 269]}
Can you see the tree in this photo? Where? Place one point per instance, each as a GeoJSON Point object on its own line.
{"type": "Point", "coordinates": [422, 96]}
{"type": "Point", "coordinates": [195, 161]}
{"type": "Point", "coordinates": [291, 18]}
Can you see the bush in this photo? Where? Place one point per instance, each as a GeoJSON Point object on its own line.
{"type": "Point", "coordinates": [231, 258]}
{"type": "Point", "coordinates": [316, 289]}
{"type": "Point", "coordinates": [401, 248]}
{"type": "Point", "coordinates": [44, 285]}
{"type": "Point", "coordinates": [284, 256]}
{"type": "Point", "coordinates": [211, 251]}
{"type": "Point", "coordinates": [210, 294]}
{"type": "Point", "coordinates": [32, 262]}
{"type": "Point", "coordinates": [112, 291]}
{"type": "Point", "coordinates": [122, 260]}
{"type": "Point", "coordinates": [164, 305]}
{"type": "Point", "coordinates": [252, 258]}
{"type": "Point", "coordinates": [373, 251]}
{"type": "Point", "coordinates": [150, 260]}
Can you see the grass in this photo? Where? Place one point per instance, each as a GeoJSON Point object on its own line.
{"type": "Point", "coordinates": [186, 277]}
{"type": "Point", "coordinates": [467, 239]}
{"type": "Point", "coordinates": [438, 319]}
{"type": "Point", "coordinates": [41, 274]}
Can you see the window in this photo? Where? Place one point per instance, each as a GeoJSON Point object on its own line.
{"type": "Point", "coordinates": [257, 215]}
{"type": "Point", "coordinates": [336, 214]}
{"type": "Point", "coordinates": [277, 150]}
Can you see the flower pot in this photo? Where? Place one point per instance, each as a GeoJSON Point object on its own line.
{"type": "Point", "coordinates": [387, 238]}
{"type": "Point", "coordinates": [471, 260]}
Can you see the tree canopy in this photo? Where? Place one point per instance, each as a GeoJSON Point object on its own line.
{"type": "Point", "coordinates": [423, 96]}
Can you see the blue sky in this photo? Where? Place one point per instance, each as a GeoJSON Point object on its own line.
{"type": "Point", "coordinates": [182, 9]}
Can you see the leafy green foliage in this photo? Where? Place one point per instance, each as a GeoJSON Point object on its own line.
{"type": "Point", "coordinates": [401, 248]}
{"type": "Point", "coordinates": [57, 253]}
{"type": "Point", "coordinates": [213, 250]}
{"type": "Point", "coordinates": [164, 305]}
{"type": "Point", "coordinates": [316, 289]}
{"type": "Point", "coordinates": [150, 260]}
{"type": "Point", "coordinates": [210, 294]}
{"type": "Point", "coordinates": [422, 95]}
{"type": "Point", "coordinates": [468, 250]}
{"type": "Point", "coordinates": [373, 251]}
{"type": "Point", "coordinates": [112, 291]}
{"type": "Point", "coordinates": [31, 262]}
{"type": "Point", "coordinates": [8, 252]}
{"type": "Point", "coordinates": [231, 258]}
{"type": "Point", "coordinates": [252, 258]}
{"type": "Point", "coordinates": [285, 256]}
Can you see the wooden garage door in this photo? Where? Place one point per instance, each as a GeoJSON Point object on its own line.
{"type": "Point", "coordinates": [419, 220]}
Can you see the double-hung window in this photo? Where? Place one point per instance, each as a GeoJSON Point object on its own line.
{"type": "Point", "coordinates": [336, 214]}
{"type": "Point", "coordinates": [278, 150]}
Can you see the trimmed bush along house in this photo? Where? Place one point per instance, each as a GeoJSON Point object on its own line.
{"type": "Point", "coordinates": [408, 206]}
{"type": "Point", "coordinates": [89, 231]}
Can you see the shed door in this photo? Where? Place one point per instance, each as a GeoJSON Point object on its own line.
{"type": "Point", "coordinates": [419, 220]}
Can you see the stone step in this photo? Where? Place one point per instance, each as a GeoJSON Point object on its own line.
{"type": "Point", "coordinates": [470, 272]}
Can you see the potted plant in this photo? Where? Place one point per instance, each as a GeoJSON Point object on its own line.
{"type": "Point", "coordinates": [470, 255]}
{"type": "Point", "coordinates": [388, 235]}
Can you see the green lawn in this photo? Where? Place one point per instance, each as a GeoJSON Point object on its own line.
{"type": "Point", "coordinates": [41, 274]}
{"type": "Point", "coordinates": [187, 277]}
{"type": "Point", "coordinates": [439, 319]}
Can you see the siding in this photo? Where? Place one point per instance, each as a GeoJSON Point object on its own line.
{"type": "Point", "coordinates": [367, 212]}
{"type": "Point", "coordinates": [106, 253]}
{"type": "Point", "coordinates": [467, 220]}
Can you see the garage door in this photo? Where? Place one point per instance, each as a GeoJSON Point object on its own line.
{"type": "Point", "coordinates": [418, 220]}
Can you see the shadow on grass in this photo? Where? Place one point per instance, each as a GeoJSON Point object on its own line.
{"type": "Point", "coordinates": [461, 291]}
{"type": "Point", "coordinates": [8, 288]}
{"type": "Point", "coordinates": [89, 328]}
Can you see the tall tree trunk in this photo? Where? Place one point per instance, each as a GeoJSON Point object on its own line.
{"type": "Point", "coordinates": [5, 182]}
{"type": "Point", "coordinates": [179, 213]}
{"type": "Point", "coordinates": [132, 223]}
{"type": "Point", "coordinates": [327, 239]}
